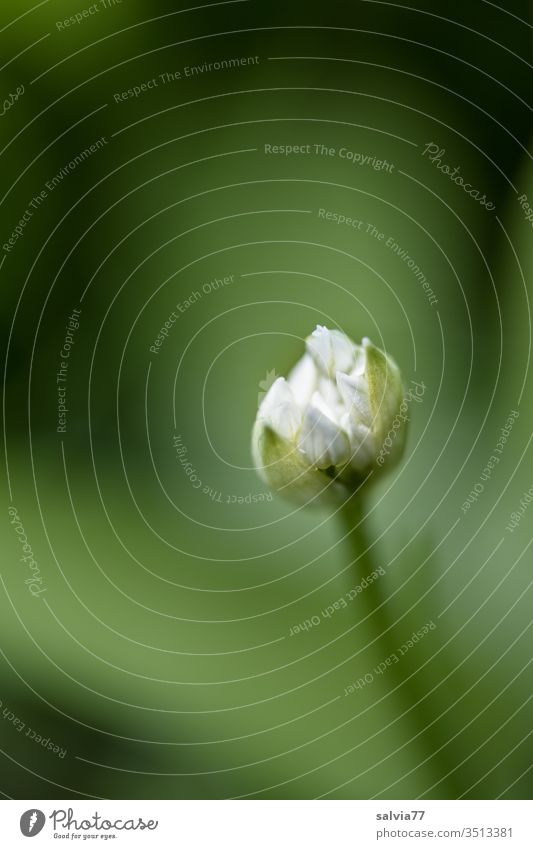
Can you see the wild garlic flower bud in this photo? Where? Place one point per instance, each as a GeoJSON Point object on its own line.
{"type": "Point", "coordinates": [322, 429]}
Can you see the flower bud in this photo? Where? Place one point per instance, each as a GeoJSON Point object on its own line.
{"type": "Point", "coordinates": [321, 430]}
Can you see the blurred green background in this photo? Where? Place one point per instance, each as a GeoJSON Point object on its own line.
{"type": "Point", "coordinates": [160, 657]}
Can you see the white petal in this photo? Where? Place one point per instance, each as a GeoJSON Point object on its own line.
{"type": "Point", "coordinates": [280, 411]}
{"type": "Point", "coordinates": [303, 380]}
{"type": "Point", "coordinates": [331, 350]}
{"type": "Point", "coordinates": [322, 441]}
{"type": "Point", "coordinates": [362, 444]}
{"type": "Point", "coordinates": [318, 401]}
{"type": "Point", "coordinates": [328, 400]}
{"type": "Point", "coordinates": [359, 365]}
{"type": "Point", "coordinates": [354, 393]}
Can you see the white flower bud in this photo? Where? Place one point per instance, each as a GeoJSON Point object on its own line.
{"type": "Point", "coordinates": [322, 429]}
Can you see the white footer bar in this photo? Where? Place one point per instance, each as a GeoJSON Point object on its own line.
{"type": "Point", "coordinates": [272, 824]}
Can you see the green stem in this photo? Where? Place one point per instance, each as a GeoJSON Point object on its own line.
{"type": "Point", "coordinates": [414, 710]}
{"type": "Point", "coordinates": [353, 516]}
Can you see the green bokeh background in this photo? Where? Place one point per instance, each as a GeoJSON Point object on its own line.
{"type": "Point", "coordinates": [160, 654]}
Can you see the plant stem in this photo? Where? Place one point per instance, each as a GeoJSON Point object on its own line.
{"type": "Point", "coordinates": [414, 709]}
{"type": "Point", "coordinates": [353, 516]}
